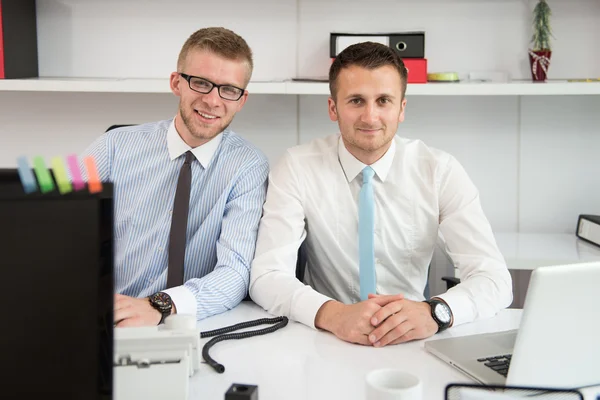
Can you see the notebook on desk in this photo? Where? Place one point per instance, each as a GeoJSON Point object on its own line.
{"type": "Point", "coordinates": [557, 344]}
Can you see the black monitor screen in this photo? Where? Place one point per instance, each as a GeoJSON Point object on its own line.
{"type": "Point", "coordinates": [57, 292]}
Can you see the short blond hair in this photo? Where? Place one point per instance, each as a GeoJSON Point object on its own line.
{"type": "Point", "coordinates": [220, 41]}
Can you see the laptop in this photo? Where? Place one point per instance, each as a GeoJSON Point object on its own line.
{"type": "Point", "coordinates": [57, 284]}
{"type": "Point", "coordinates": [557, 344]}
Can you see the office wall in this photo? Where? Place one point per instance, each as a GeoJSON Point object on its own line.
{"type": "Point", "coordinates": [531, 157]}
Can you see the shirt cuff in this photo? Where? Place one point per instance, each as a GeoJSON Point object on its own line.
{"type": "Point", "coordinates": [307, 305]}
{"type": "Point", "coordinates": [184, 300]}
{"type": "Point", "coordinates": [460, 305]}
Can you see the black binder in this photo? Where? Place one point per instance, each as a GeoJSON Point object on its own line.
{"type": "Point", "coordinates": [406, 44]}
{"type": "Point", "coordinates": [588, 228]}
{"type": "Point", "coordinates": [57, 286]}
{"type": "Point", "coordinates": [18, 39]}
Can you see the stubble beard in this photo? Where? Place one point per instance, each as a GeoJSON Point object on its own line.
{"type": "Point", "coordinates": [193, 128]}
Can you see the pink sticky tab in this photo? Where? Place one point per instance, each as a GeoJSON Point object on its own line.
{"type": "Point", "coordinates": [76, 178]}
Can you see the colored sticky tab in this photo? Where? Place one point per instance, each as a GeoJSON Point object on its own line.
{"type": "Point", "coordinates": [43, 175]}
{"type": "Point", "coordinates": [26, 175]}
{"type": "Point", "coordinates": [76, 178]}
{"type": "Point", "coordinates": [60, 175]}
{"type": "Point", "coordinates": [94, 184]}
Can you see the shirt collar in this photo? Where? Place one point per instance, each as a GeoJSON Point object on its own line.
{"type": "Point", "coordinates": [352, 167]}
{"type": "Point", "coordinates": [203, 153]}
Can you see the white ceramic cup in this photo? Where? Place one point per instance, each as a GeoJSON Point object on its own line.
{"type": "Point", "coordinates": [393, 384]}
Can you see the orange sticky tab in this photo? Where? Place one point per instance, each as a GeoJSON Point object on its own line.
{"type": "Point", "coordinates": [94, 183]}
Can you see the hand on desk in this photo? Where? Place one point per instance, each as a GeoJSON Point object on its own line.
{"type": "Point", "coordinates": [352, 323]}
{"type": "Point", "coordinates": [400, 321]}
{"type": "Point", "coordinates": [130, 311]}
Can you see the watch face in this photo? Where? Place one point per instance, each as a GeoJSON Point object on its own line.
{"type": "Point", "coordinates": [162, 301]}
{"type": "Point", "coordinates": [442, 313]}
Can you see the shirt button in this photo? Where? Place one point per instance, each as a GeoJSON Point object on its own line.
{"type": "Point", "coordinates": [160, 249]}
{"type": "Point", "coordinates": [170, 212]}
{"type": "Point", "coordinates": [377, 261]}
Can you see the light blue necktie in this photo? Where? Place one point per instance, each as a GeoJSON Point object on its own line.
{"type": "Point", "coordinates": [366, 241]}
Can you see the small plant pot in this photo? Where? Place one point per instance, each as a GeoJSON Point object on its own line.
{"type": "Point", "coordinates": [539, 62]}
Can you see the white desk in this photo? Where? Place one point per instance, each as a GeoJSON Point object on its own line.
{"type": "Point", "coordinates": [298, 363]}
{"type": "Point", "coordinates": [527, 251]}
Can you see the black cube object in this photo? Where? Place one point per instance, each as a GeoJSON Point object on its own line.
{"type": "Point", "coordinates": [238, 391]}
{"type": "Point", "coordinates": [18, 39]}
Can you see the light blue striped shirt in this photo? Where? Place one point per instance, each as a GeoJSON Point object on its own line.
{"type": "Point", "coordinates": [229, 182]}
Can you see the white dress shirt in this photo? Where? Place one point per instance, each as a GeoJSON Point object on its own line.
{"type": "Point", "coordinates": [419, 192]}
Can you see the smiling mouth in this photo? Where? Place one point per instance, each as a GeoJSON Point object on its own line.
{"type": "Point", "coordinates": [370, 131]}
{"type": "Point", "coordinates": [205, 115]}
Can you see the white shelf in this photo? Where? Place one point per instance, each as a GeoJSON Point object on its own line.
{"type": "Point", "coordinates": [521, 88]}
{"type": "Point", "coordinates": [108, 85]}
{"type": "Point", "coordinates": [113, 85]}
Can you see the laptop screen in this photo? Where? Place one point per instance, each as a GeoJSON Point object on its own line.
{"type": "Point", "coordinates": [57, 289]}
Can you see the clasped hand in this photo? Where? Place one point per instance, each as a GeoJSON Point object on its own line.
{"type": "Point", "coordinates": [382, 320]}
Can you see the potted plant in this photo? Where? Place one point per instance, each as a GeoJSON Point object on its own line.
{"type": "Point", "coordinates": [539, 55]}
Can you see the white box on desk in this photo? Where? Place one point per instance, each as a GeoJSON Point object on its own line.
{"type": "Point", "coordinates": [156, 362]}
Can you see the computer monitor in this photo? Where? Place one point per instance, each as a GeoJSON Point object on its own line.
{"type": "Point", "coordinates": [56, 257]}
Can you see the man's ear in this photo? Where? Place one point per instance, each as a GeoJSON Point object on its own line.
{"type": "Point", "coordinates": [332, 109]}
{"type": "Point", "coordinates": [174, 82]}
{"type": "Point", "coordinates": [242, 101]}
{"type": "Point", "coordinates": [401, 115]}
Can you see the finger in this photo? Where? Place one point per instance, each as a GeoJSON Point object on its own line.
{"type": "Point", "coordinates": [396, 333]}
{"type": "Point", "coordinates": [124, 313]}
{"type": "Point", "coordinates": [382, 300]}
{"type": "Point", "coordinates": [129, 322]}
{"type": "Point", "coordinates": [386, 311]}
{"type": "Point", "coordinates": [362, 339]}
{"type": "Point", "coordinates": [408, 336]}
{"type": "Point", "coordinates": [386, 327]}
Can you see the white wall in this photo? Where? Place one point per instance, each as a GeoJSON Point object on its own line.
{"type": "Point", "coordinates": [534, 159]}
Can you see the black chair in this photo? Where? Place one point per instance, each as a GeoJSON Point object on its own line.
{"type": "Point", "coordinates": [110, 128]}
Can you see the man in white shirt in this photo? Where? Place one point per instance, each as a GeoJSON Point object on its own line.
{"type": "Point", "coordinates": [316, 193]}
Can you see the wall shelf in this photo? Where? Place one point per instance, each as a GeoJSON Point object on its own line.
{"type": "Point", "coordinates": [110, 85]}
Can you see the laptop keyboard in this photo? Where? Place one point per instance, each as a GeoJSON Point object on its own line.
{"type": "Point", "coordinates": [499, 364]}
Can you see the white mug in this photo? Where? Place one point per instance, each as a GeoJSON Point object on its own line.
{"type": "Point", "coordinates": [393, 384]}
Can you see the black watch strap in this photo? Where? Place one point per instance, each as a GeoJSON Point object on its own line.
{"type": "Point", "coordinates": [441, 313]}
{"type": "Point", "coordinates": [162, 302]}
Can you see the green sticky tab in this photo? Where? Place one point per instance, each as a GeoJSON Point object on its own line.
{"type": "Point", "coordinates": [60, 175]}
{"type": "Point", "coordinates": [43, 175]}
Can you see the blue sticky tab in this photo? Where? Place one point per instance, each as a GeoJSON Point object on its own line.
{"type": "Point", "coordinates": [26, 175]}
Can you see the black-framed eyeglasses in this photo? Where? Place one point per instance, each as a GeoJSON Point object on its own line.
{"type": "Point", "coordinates": [204, 86]}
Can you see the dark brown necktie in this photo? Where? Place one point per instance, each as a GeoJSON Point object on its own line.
{"type": "Point", "coordinates": [177, 237]}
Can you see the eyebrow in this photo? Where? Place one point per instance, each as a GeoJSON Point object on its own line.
{"type": "Point", "coordinates": [355, 95]}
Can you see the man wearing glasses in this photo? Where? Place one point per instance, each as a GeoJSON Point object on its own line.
{"type": "Point", "coordinates": [188, 191]}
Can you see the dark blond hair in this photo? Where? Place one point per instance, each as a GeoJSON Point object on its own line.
{"type": "Point", "coordinates": [220, 41]}
{"type": "Point", "coordinates": [367, 55]}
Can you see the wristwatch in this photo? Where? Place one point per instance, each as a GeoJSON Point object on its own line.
{"type": "Point", "coordinates": [440, 312]}
{"type": "Point", "coordinates": [163, 303]}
